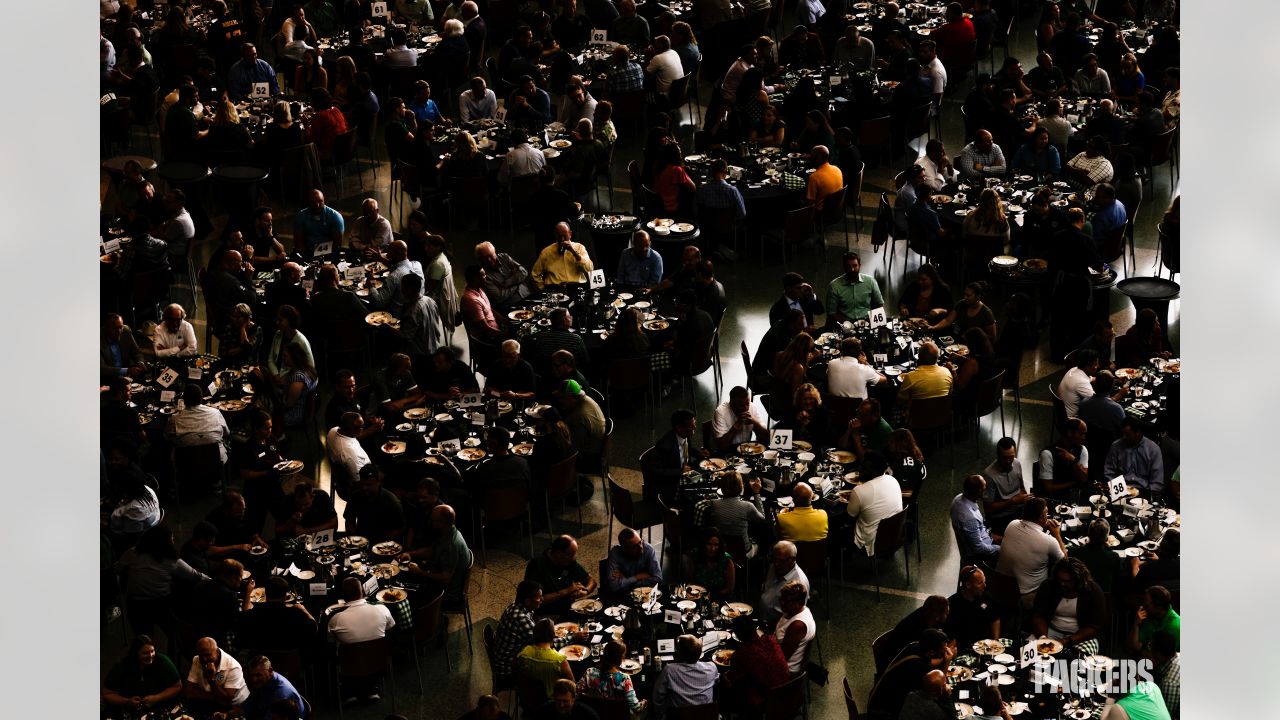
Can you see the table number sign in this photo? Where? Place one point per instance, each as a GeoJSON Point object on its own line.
{"type": "Point", "coordinates": [323, 249]}
{"type": "Point", "coordinates": [597, 279]}
{"type": "Point", "coordinates": [1117, 487]}
{"type": "Point", "coordinates": [599, 37]}
{"type": "Point", "coordinates": [167, 377]}
{"type": "Point", "coordinates": [500, 115]}
{"type": "Point", "coordinates": [780, 439]}
{"type": "Point", "coordinates": [878, 317]}
{"type": "Point", "coordinates": [471, 399]}
{"type": "Point", "coordinates": [322, 538]}
{"type": "Point", "coordinates": [1028, 654]}
{"type": "Point", "coordinates": [261, 90]}
{"type": "Point", "coordinates": [378, 9]}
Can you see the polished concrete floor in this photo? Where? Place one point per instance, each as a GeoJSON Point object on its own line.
{"type": "Point", "coordinates": [752, 285]}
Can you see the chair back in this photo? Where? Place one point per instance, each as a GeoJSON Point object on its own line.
{"type": "Point", "coordinates": [607, 708]}
{"type": "Point", "coordinates": [1059, 407]}
{"type": "Point", "coordinates": [854, 185]}
{"type": "Point", "coordinates": [876, 131]}
{"type": "Point", "coordinates": [200, 465]}
{"type": "Point", "coordinates": [990, 392]}
{"type": "Point", "coordinates": [833, 206]}
{"type": "Point", "coordinates": [786, 701]}
{"type": "Point", "coordinates": [469, 193]}
{"type": "Point", "coordinates": [653, 205]}
{"type": "Point", "coordinates": [1112, 246]}
{"type": "Point", "coordinates": [426, 620]}
{"type": "Point", "coordinates": [1004, 589]}
{"type": "Point", "coordinates": [849, 703]}
{"type": "Point", "coordinates": [710, 711]}
{"type": "Point", "coordinates": [344, 147]}
{"type": "Point", "coordinates": [510, 504]}
{"type": "Point", "coordinates": [929, 414]}
{"type": "Point", "coordinates": [671, 528]}
{"type": "Point", "coordinates": [531, 692]}
{"type": "Point", "coordinates": [918, 121]}
{"type": "Point", "coordinates": [798, 225]}
{"type": "Point", "coordinates": [708, 434]}
{"type": "Point", "coordinates": [400, 80]}
{"type": "Point", "coordinates": [628, 107]}
{"type": "Point", "coordinates": [678, 93]}
{"type": "Point", "coordinates": [149, 289]}
{"type": "Point", "coordinates": [562, 476]}
{"type": "Point", "coordinates": [482, 352]}
{"type": "Point", "coordinates": [1158, 153]}
{"type": "Point", "coordinates": [629, 375]}
{"type": "Point", "coordinates": [622, 505]}
{"type": "Point", "coordinates": [889, 535]}
{"type": "Point", "coordinates": [840, 410]}
{"type": "Point", "coordinates": [1170, 256]}
{"type": "Point", "coordinates": [736, 547]}
{"type": "Point", "coordinates": [811, 556]}
{"type": "Point", "coordinates": [362, 659]}
{"type": "Point", "coordinates": [883, 650]}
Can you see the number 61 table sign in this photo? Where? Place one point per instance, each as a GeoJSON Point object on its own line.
{"type": "Point", "coordinates": [780, 439]}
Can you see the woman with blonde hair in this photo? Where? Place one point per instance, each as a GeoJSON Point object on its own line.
{"type": "Point", "coordinates": [985, 228]}
{"type": "Point", "coordinates": [464, 159]}
{"type": "Point", "coordinates": [226, 134]}
{"type": "Point", "coordinates": [1129, 81]}
{"type": "Point", "coordinates": [343, 87]}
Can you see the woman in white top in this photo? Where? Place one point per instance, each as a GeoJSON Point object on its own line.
{"type": "Point", "coordinates": [796, 628]}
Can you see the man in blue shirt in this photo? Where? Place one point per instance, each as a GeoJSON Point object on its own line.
{"type": "Point", "coordinates": [1110, 214]}
{"type": "Point", "coordinates": [717, 193]}
{"type": "Point", "coordinates": [317, 223]}
{"type": "Point", "coordinates": [1038, 157]}
{"type": "Point", "coordinates": [423, 107]}
{"type": "Point", "coordinates": [267, 687]}
{"type": "Point", "coordinates": [247, 71]}
{"type": "Point", "coordinates": [972, 535]}
{"type": "Point", "coordinates": [640, 266]}
{"type": "Point", "coordinates": [632, 563]}
{"type": "Point", "coordinates": [624, 75]}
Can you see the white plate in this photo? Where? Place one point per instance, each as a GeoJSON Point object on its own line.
{"type": "Point", "coordinates": [1005, 658]}
{"type": "Point", "coordinates": [1017, 708]}
{"type": "Point", "coordinates": [1006, 679]}
{"type": "Point", "coordinates": [550, 153]}
{"type": "Point", "coordinates": [616, 612]}
{"type": "Point", "coordinates": [1133, 552]}
{"type": "Point", "coordinates": [686, 605]}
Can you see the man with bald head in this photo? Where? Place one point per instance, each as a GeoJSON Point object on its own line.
{"type": "Point", "coordinates": [230, 285]}
{"type": "Point", "coordinates": [981, 158]}
{"type": "Point", "coordinates": [632, 563]}
{"type": "Point", "coordinates": [371, 232]}
{"type": "Point", "coordinates": [564, 261]}
{"type": "Point", "coordinates": [825, 179]}
{"type": "Point", "coordinates": [804, 522]}
{"type": "Point", "coordinates": [358, 622]}
{"type": "Point", "coordinates": [449, 558]}
{"type": "Point", "coordinates": [640, 265]}
{"type": "Point", "coordinates": [506, 281]}
{"type": "Point", "coordinates": [509, 376]}
{"type": "Point", "coordinates": [315, 224]}
{"type": "Point", "coordinates": [389, 297]}
{"type": "Point", "coordinates": [287, 289]}
{"type": "Point", "coordinates": [977, 543]}
{"type": "Point", "coordinates": [931, 701]}
{"type": "Point", "coordinates": [216, 681]}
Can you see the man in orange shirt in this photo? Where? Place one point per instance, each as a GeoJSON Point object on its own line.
{"type": "Point", "coordinates": [825, 179]}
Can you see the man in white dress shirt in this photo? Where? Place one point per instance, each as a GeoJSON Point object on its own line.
{"type": "Point", "coordinates": [346, 455]}
{"type": "Point", "coordinates": [198, 424]}
{"type": "Point", "coordinates": [1077, 384]}
{"type": "Point", "coordinates": [738, 420]}
{"type": "Point", "coordinates": [477, 103]}
{"type": "Point", "coordinates": [847, 375]}
{"type": "Point", "coordinates": [782, 570]}
{"type": "Point", "coordinates": [665, 66]}
{"type": "Point", "coordinates": [521, 160]}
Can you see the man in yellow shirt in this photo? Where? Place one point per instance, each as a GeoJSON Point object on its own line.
{"type": "Point", "coordinates": [928, 380]}
{"type": "Point", "coordinates": [803, 523]}
{"type": "Point", "coordinates": [825, 179]}
{"type": "Point", "coordinates": [563, 262]}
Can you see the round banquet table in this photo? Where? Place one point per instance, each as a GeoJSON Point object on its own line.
{"type": "Point", "coordinates": [1151, 292]}
{"type": "Point", "coordinates": [610, 235]}
{"type": "Point", "coordinates": [115, 165]}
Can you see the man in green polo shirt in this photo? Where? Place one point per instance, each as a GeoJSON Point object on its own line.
{"type": "Point", "coordinates": [1156, 613]}
{"type": "Point", "coordinates": [563, 580]}
{"type": "Point", "coordinates": [852, 295]}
